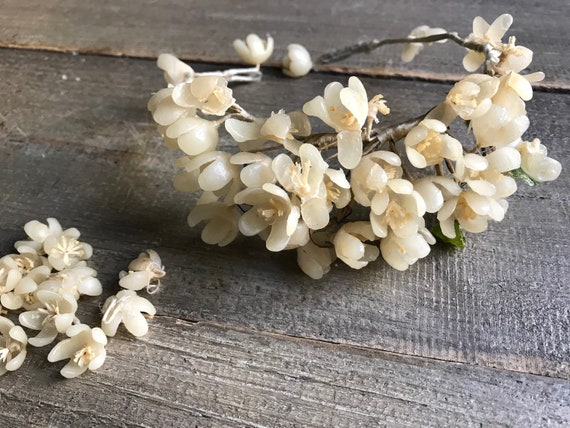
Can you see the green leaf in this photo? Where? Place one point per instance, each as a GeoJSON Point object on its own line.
{"type": "Point", "coordinates": [458, 240]}
{"type": "Point", "coordinates": [521, 175]}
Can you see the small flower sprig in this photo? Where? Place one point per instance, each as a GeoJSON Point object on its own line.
{"type": "Point", "coordinates": [304, 196]}
{"type": "Point", "coordinates": [46, 278]}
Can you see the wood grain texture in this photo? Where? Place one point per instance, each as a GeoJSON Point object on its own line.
{"type": "Point", "coordinates": [205, 375]}
{"type": "Point", "coordinates": [202, 30]}
{"type": "Point", "coordinates": [85, 151]}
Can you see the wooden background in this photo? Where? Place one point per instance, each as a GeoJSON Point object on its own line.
{"type": "Point", "coordinates": [242, 338]}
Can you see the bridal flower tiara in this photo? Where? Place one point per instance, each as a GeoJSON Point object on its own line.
{"type": "Point", "coordinates": [347, 193]}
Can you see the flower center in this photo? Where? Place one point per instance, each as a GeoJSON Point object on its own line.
{"type": "Point", "coordinates": [84, 356]}
{"type": "Point", "coordinates": [51, 311]}
{"type": "Point", "coordinates": [396, 216]}
{"type": "Point", "coordinates": [430, 147]}
{"type": "Point", "coordinates": [333, 193]}
{"type": "Point", "coordinates": [68, 248]}
{"type": "Point", "coordinates": [464, 211]}
{"type": "Point", "coordinates": [300, 178]}
{"type": "Point", "coordinates": [273, 210]}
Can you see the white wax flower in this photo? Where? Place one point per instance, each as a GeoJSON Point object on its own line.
{"type": "Point", "coordinates": [65, 250]}
{"type": "Point", "coordinates": [401, 210]}
{"type": "Point", "coordinates": [85, 349]}
{"type": "Point", "coordinates": [350, 247]}
{"type": "Point", "coordinates": [210, 171]}
{"type": "Point", "coordinates": [271, 208]}
{"type": "Point", "coordinates": [315, 261]}
{"type": "Point", "coordinates": [536, 163]}
{"type": "Point", "coordinates": [472, 210]}
{"type": "Point", "coordinates": [254, 50]}
{"type": "Point", "coordinates": [513, 58]}
{"type": "Point", "coordinates": [164, 110]}
{"type": "Point", "coordinates": [345, 110]}
{"type": "Point", "coordinates": [257, 170]}
{"type": "Point", "coordinates": [56, 315]}
{"type": "Point", "coordinates": [401, 252]}
{"type": "Point", "coordinates": [145, 271]}
{"type": "Point", "coordinates": [126, 307]}
{"type": "Point", "coordinates": [305, 179]}
{"type": "Point", "coordinates": [280, 127]}
{"type": "Point", "coordinates": [369, 179]}
{"type": "Point", "coordinates": [297, 62]}
{"type": "Point", "coordinates": [38, 232]}
{"type": "Point", "coordinates": [23, 293]}
{"type": "Point", "coordinates": [194, 135]}
{"type": "Point", "coordinates": [222, 222]}
{"type": "Point", "coordinates": [484, 33]}
{"type": "Point", "coordinates": [471, 97]}
{"type": "Point", "coordinates": [434, 190]}
{"type": "Point", "coordinates": [78, 280]}
{"type": "Point", "coordinates": [13, 341]}
{"type": "Point", "coordinates": [175, 71]}
{"type": "Point", "coordinates": [210, 94]}
{"type": "Point", "coordinates": [412, 49]}
{"type": "Point", "coordinates": [428, 144]}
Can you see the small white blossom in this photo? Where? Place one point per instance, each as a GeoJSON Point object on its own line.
{"type": "Point", "coordinates": [78, 280]}
{"type": "Point", "coordinates": [471, 97]}
{"type": "Point", "coordinates": [38, 232]}
{"type": "Point", "coordinates": [345, 110]}
{"type": "Point", "coordinates": [13, 341]}
{"type": "Point", "coordinates": [175, 71]}
{"type": "Point", "coordinates": [254, 50]}
{"type": "Point", "coordinates": [281, 128]}
{"type": "Point", "coordinates": [428, 144]}
{"type": "Point", "coordinates": [126, 307]}
{"type": "Point", "coordinates": [271, 208]}
{"type": "Point", "coordinates": [305, 179]}
{"type": "Point", "coordinates": [164, 110]}
{"type": "Point", "coordinates": [315, 261]}
{"type": "Point", "coordinates": [85, 349]}
{"type": "Point", "coordinates": [401, 252]}
{"type": "Point", "coordinates": [56, 315]}
{"type": "Point", "coordinates": [369, 179]}
{"type": "Point", "coordinates": [484, 33]}
{"type": "Point", "coordinates": [23, 294]}
{"type": "Point", "coordinates": [412, 49]}
{"type": "Point", "coordinates": [513, 58]}
{"type": "Point", "coordinates": [257, 170]}
{"type": "Point", "coordinates": [350, 247]}
{"type": "Point", "coordinates": [145, 271]}
{"type": "Point", "coordinates": [65, 250]}
{"type": "Point", "coordinates": [222, 222]}
{"type": "Point", "coordinates": [536, 163]}
{"type": "Point", "coordinates": [194, 135]}
{"type": "Point", "coordinates": [297, 62]}
{"type": "Point", "coordinates": [210, 94]}
{"type": "Point", "coordinates": [210, 171]}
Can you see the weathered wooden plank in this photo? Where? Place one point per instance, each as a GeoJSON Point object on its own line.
{"type": "Point", "coordinates": [185, 374]}
{"type": "Point", "coordinates": [203, 30]}
{"type": "Point", "coordinates": [85, 152]}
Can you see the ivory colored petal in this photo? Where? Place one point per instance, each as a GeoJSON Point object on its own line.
{"type": "Point", "coordinates": [63, 321]}
{"type": "Point", "coordinates": [136, 324]}
{"type": "Point", "coordinates": [504, 159]}
{"type": "Point", "coordinates": [135, 280]}
{"type": "Point", "coordinates": [482, 187]}
{"type": "Point", "coordinates": [250, 223]}
{"type": "Point", "coordinates": [499, 27]}
{"type": "Point", "coordinates": [480, 26]}
{"type": "Point", "coordinates": [349, 148]}
{"type": "Point", "coordinates": [415, 157]}
{"type": "Point", "coordinates": [32, 319]}
{"type": "Point", "coordinates": [215, 176]}
{"type": "Point", "coordinates": [315, 213]}
{"type": "Point", "coordinates": [473, 60]}
{"type": "Point", "coordinates": [98, 361]}
{"type": "Point", "coordinates": [401, 186]}
{"type": "Point", "coordinates": [72, 370]}
{"type": "Point", "coordinates": [278, 236]}
{"type": "Point", "coordinates": [356, 104]}
{"type": "Point", "coordinates": [479, 204]}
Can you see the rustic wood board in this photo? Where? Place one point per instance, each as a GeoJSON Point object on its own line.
{"type": "Point", "coordinates": [185, 374]}
{"type": "Point", "coordinates": [203, 30]}
{"type": "Point", "coordinates": [85, 151]}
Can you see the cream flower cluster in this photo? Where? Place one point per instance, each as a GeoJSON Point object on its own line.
{"type": "Point", "coordinates": [45, 280]}
{"type": "Point", "coordinates": [305, 196]}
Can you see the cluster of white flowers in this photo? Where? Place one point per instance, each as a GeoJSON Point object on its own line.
{"type": "Point", "coordinates": [45, 280]}
{"type": "Point", "coordinates": [303, 197]}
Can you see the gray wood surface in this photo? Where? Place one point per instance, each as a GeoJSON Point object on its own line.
{"type": "Point", "coordinates": [242, 337]}
{"type": "Point", "coordinates": [203, 30]}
